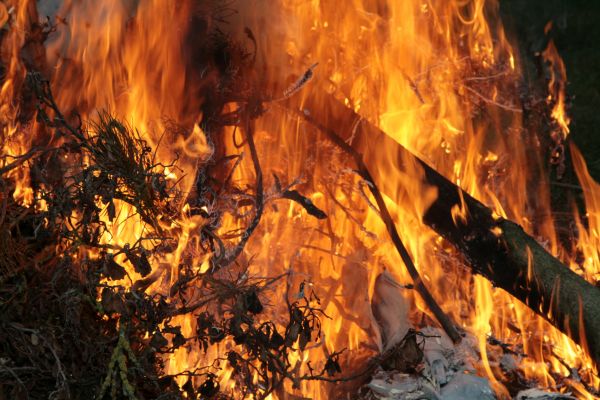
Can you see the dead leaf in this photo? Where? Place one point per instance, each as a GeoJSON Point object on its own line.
{"type": "Point", "coordinates": [112, 302]}
{"type": "Point", "coordinates": [158, 341]}
{"type": "Point", "coordinates": [405, 356]}
{"type": "Point", "coordinates": [112, 269]}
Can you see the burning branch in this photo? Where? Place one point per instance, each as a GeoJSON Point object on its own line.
{"type": "Point", "coordinates": [495, 247]}
{"type": "Point", "coordinates": [363, 171]}
{"type": "Point", "coordinates": [258, 199]}
{"type": "Point", "coordinates": [119, 166]}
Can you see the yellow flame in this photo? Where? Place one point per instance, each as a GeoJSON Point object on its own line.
{"type": "Point", "coordinates": [438, 76]}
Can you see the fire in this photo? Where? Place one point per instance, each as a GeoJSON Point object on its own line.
{"type": "Point", "coordinates": [441, 80]}
{"type": "Point", "coordinates": [556, 85]}
{"type": "Point", "coordinates": [128, 59]}
{"type": "Point", "coordinates": [13, 143]}
{"type": "Point", "coordinates": [439, 77]}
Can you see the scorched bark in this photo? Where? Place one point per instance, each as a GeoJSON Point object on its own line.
{"type": "Point", "coordinates": [494, 247]}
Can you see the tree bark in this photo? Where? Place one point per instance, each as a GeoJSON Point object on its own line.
{"type": "Point", "coordinates": [494, 247]}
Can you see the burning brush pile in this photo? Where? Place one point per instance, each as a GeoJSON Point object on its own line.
{"type": "Point", "coordinates": [289, 200]}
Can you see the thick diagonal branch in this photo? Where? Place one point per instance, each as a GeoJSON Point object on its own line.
{"type": "Point", "coordinates": [494, 247]}
{"type": "Point", "coordinates": [388, 220]}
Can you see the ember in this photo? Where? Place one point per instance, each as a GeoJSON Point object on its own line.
{"type": "Point", "coordinates": [289, 200]}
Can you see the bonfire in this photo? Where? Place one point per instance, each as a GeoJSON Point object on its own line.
{"type": "Point", "coordinates": [290, 200]}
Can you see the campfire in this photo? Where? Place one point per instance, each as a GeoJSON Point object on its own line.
{"type": "Point", "coordinates": [290, 199]}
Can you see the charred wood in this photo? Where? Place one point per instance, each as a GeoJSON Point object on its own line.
{"type": "Point", "coordinates": [494, 247]}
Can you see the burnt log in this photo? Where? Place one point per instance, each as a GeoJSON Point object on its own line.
{"type": "Point", "coordinates": [494, 247]}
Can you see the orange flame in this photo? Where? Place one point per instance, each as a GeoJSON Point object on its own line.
{"type": "Point", "coordinates": [556, 84]}
{"type": "Point", "coordinates": [438, 76]}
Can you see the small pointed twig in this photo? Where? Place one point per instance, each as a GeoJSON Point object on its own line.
{"type": "Point", "coordinates": [258, 200]}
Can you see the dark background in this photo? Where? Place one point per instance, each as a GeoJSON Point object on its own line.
{"type": "Point", "coordinates": [576, 33]}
